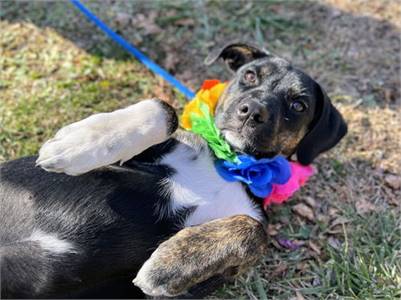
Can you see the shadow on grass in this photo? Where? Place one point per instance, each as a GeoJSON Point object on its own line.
{"type": "Point", "coordinates": [64, 18]}
{"type": "Point", "coordinates": [358, 54]}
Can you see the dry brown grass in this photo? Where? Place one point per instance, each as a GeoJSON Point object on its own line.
{"type": "Point", "coordinates": [385, 10]}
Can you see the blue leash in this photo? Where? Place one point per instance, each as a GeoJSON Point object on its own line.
{"type": "Point", "coordinates": [155, 68]}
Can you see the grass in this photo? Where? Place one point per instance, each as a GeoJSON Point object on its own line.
{"type": "Point", "coordinates": [365, 266]}
{"type": "Point", "coordinates": [47, 82]}
{"type": "Point", "coordinates": [56, 69]}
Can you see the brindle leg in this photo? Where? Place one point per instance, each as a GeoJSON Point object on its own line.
{"type": "Point", "coordinates": [226, 247]}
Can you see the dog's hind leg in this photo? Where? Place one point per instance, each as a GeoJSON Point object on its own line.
{"type": "Point", "coordinates": [107, 138]}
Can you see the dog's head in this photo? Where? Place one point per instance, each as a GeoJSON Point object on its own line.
{"type": "Point", "coordinates": [271, 108]}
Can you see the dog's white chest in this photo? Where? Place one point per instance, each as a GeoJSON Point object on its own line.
{"type": "Point", "coordinates": [197, 184]}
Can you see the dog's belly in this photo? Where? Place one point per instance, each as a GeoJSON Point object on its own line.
{"type": "Point", "coordinates": [61, 234]}
{"type": "Point", "coordinates": [197, 184]}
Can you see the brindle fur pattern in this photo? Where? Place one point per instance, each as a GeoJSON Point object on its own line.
{"type": "Point", "coordinates": [227, 246]}
{"type": "Point", "coordinates": [120, 213]}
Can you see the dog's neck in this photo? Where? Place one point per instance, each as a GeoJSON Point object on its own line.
{"type": "Point", "coordinates": [260, 175]}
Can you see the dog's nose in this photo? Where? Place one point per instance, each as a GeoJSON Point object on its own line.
{"type": "Point", "coordinates": [254, 111]}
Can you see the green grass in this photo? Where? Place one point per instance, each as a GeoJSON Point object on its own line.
{"type": "Point", "coordinates": [46, 82]}
{"type": "Point", "coordinates": [367, 265]}
{"type": "Point", "coordinates": [80, 90]}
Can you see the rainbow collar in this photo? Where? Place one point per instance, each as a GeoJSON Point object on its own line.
{"type": "Point", "coordinates": [275, 180]}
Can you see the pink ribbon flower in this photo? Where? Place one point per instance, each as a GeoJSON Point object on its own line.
{"type": "Point", "coordinates": [282, 192]}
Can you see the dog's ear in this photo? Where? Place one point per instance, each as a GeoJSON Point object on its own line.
{"type": "Point", "coordinates": [327, 129]}
{"type": "Point", "coordinates": [236, 55]}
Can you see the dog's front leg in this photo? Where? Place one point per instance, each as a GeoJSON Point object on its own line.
{"type": "Point", "coordinates": [225, 247]}
{"type": "Point", "coordinates": [107, 138]}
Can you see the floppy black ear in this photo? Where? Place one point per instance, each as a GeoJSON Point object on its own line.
{"type": "Point", "coordinates": [235, 55]}
{"type": "Point", "coordinates": [328, 128]}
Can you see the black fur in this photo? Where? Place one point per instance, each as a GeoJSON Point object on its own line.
{"type": "Point", "coordinates": [235, 55]}
{"type": "Point", "coordinates": [112, 216]}
{"type": "Point", "coordinates": [326, 130]}
{"type": "Point", "coordinates": [269, 125]}
{"type": "Point", "coordinates": [108, 215]}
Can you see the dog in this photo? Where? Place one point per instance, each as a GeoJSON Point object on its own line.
{"type": "Point", "coordinates": [148, 203]}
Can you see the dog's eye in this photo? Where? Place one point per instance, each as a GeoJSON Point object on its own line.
{"type": "Point", "coordinates": [298, 106]}
{"type": "Point", "coordinates": [250, 76]}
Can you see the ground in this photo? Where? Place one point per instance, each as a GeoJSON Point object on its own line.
{"type": "Point", "coordinates": [339, 237]}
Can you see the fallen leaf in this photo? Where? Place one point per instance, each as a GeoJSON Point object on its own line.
{"type": "Point", "coordinates": [393, 181]}
{"type": "Point", "coordinates": [299, 296]}
{"type": "Point", "coordinates": [389, 95]}
{"type": "Point", "coordinates": [338, 221]}
{"type": "Point", "coordinates": [304, 211]}
{"type": "Point", "coordinates": [333, 212]}
{"type": "Point", "coordinates": [279, 270]}
{"type": "Point", "coordinates": [323, 218]}
{"type": "Point", "coordinates": [310, 201]}
{"type": "Point", "coordinates": [290, 244]}
{"type": "Point", "coordinates": [186, 75]}
{"type": "Point", "coordinates": [123, 19]}
{"type": "Point", "coordinates": [336, 230]}
{"type": "Point", "coordinates": [362, 206]}
{"type": "Point", "coordinates": [284, 220]}
{"type": "Point", "coordinates": [302, 266]}
{"type": "Point", "coordinates": [171, 61]}
{"type": "Point", "coordinates": [271, 230]}
{"type": "Point", "coordinates": [394, 200]}
{"type": "Point", "coordinates": [276, 244]}
{"type": "Point", "coordinates": [314, 247]}
{"type": "Point", "coordinates": [185, 22]}
{"type": "Point", "coordinates": [148, 23]}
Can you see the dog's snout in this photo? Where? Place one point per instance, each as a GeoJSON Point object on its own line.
{"type": "Point", "coordinates": [252, 110]}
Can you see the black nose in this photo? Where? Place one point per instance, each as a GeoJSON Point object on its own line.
{"type": "Point", "coordinates": [252, 110]}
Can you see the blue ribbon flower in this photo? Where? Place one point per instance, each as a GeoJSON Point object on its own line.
{"type": "Point", "coordinates": [258, 174]}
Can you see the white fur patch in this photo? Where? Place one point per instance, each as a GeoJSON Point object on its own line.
{"type": "Point", "coordinates": [144, 281]}
{"type": "Point", "coordinates": [197, 183]}
{"type": "Point", "coordinates": [51, 242]}
{"type": "Point", "coordinates": [233, 139]}
{"type": "Point", "coordinates": [105, 138]}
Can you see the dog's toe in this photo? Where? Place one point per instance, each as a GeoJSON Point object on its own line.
{"type": "Point", "coordinates": [150, 281]}
{"type": "Point", "coordinates": [63, 156]}
{"type": "Point", "coordinates": [225, 247]}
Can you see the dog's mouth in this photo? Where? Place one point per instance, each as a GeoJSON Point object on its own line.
{"type": "Point", "coordinates": [242, 144]}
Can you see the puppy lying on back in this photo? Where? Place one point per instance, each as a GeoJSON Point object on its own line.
{"type": "Point", "coordinates": [162, 215]}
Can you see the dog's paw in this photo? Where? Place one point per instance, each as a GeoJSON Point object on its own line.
{"type": "Point", "coordinates": [223, 247]}
{"type": "Point", "coordinates": [150, 280]}
{"type": "Point", "coordinates": [107, 138]}
{"type": "Point", "coordinates": [77, 149]}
